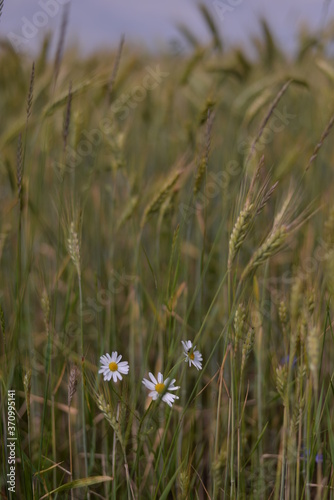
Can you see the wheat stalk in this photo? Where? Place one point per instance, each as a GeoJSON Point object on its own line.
{"type": "Point", "coordinates": [266, 197]}
{"type": "Point", "coordinates": [266, 118]}
{"type": "Point", "coordinates": [73, 247]}
{"type": "Point", "coordinates": [239, 324]}
{"type": "Point", "coordinates": [67, 120]}
{"type": "Point", "coordinates": [71, 390]}
{"type": "Point", "coordinates": [72, 384]}
{"type": "Point", "coordinates": [61, 40]}
{"type": "Point", "coordinates": [320, 143]}
{"type": "Point", "coordinates": [203, 164]}
{"type": "Point", "coordinates": [31, 91]}
{"type": "Point", "coordinates": [160, 197]}
{"type": "Point", "coordinates": [19, 170]}
{"type": "Point", "coordinates": [313, 353]}
{"type": "Point", "coordinates": [247, 347]}
{"type": "Point", "coordinates": [239, 233]}
{"type": "Point", "coordinates": [116, 66]}
{"type": "Point", "coordinates": [270, 247]}
{"type": "Point", "coordinates": [282, 381]}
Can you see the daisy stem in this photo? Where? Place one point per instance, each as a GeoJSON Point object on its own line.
{"type": "Point", "coordinates": [139, 440]}
{"type": "Point", "coordinates": [114, 454]}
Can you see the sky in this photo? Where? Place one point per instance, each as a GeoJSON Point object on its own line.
{"type": "Point", "coordinates": [100, 23]}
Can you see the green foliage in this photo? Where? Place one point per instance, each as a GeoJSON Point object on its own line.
{"type": "Point", "coordinates": [142, 209]}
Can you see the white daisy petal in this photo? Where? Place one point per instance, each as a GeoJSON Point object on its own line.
{"type": "Point", "coordinates": [123, 367]}
{"type": "Point", "coordinates": [187, 345]}
{"type": "Point", "coordinates": [167, 400]}
{"type": "Point", "coordinates": [149, 384]}
{"type": "Point", "coordinates": [159, 388]}
{"type": "Point", "coordinates": [152, 377]}
{"type": "Point", "coordinates": [111, 368]}
{"type": "Point", "coordinates": [192, 356]}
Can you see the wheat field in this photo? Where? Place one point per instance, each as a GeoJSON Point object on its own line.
{"type": "Point", "coordinates": [149, 200]}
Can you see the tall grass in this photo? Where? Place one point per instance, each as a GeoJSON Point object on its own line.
{"type": "Point", "coordinates": [132, 218]}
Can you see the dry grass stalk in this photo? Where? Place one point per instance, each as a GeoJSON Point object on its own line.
{"type": "Point", "coordinates": [266, 118]}
{"type": "Point", "coordinates": [161, 196]}
{"type": "Point", "coordinates": [320, 143]}
{"type": "Point", "coordinates": [66, 127]}
{"type": "Point", "coordinates": [272, 245]}
{"type": "Point", "coordinates": [72, 383]}
{"type": "Point", "coordinates": [255, 176]}
{"type": "Point", "coordinates": [201, 170]}
{"type": "Point", "coordinates": [116, 66]}
{"type": "Point", "coordinates": [266, 198]}
{"type": "Point", "coordinates": [19, 169]}
{"type": "Point", "coordinates": [31, 91]}
{"type": "Point", "coordinates": [61, 41]}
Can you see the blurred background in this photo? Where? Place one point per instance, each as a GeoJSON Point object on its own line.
{"type": "Point", "coordinates": [154, 23]}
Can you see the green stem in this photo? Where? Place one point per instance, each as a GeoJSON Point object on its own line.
{"type": "Point", "coordinates": [84, 438]}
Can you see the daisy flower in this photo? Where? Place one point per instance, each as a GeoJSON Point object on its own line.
{"type": "Point", "coordinates": [112, 366]}
{"type": "Point", "coordinates": [161, 387]}
{"type": "Point", "coordinates": [193, 357]}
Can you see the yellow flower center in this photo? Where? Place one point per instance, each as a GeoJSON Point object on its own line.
{"type": "Point", "coordinates": [191, 356]}
{"type": "Point", "coordinates": [160, 388]}
{"type": "Point", "coordinates": [113, 366]}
